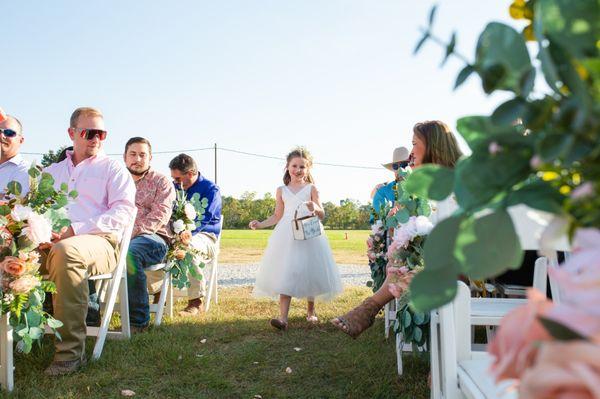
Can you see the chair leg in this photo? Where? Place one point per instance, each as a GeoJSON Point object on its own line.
{"type": "Point", "coordinates": [169, 295]}
{"type": "Point", "coordinates": [6, 353]}
{"type": "Point", "coordinates": [162, 300]}
{"type": "Point", "coordinates": [216, 279]}
{"type": "Point", "coordinates": [399, 347]}
{"type": "Point", "coordinates": [124, 304]}
{"type": "Point", "coordinates": [211, 285]}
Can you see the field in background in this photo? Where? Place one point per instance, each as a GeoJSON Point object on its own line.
{"type": "Point", "coordinates": [247, 246]}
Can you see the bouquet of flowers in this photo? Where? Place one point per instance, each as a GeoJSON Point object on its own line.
{"type": "Point", "coordinates": [409, 217]}
{"type": "Point", "coordinates": [182, 257]}
{"type": "Point", "coordinates": [25, 223]}
{"type": "Point", "coordinates": [376, 252]}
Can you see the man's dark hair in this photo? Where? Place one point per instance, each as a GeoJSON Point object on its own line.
{"type": "Point", "coordinates": [183, 163]}
{"type": "Point", "coordinates": [138, 140]}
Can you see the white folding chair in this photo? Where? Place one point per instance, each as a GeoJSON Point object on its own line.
{"type": "Point", "coordinates": [6, 354]}
{"type": "Point", "coordinates": [166, 295]}
{"type": "Point", "coordinates": [110, 285]}
{"type": "Point", "coordinates": [457, 371]}
{"type": "Point", "coordinates": [213, 282]}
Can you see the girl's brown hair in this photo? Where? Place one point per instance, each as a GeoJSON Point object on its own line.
{"type": "Point", "coordinates": [441, 147]}
{"type": "Point", "coordinates": [298, 152]}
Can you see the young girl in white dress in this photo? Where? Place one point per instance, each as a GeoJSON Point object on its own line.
{"type": "Point", "coordinates": [296, 268]}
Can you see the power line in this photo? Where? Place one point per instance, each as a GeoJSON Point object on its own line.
{"type": "Point", "coordinates": [237, 152]}
{"type": "Point", "coordinates": [283, 159]}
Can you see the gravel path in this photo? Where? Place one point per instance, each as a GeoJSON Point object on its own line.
{"type": "Point", "coordinates": [231, 275]}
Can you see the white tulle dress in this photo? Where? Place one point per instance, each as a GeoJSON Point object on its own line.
{"type": "Point", "coordinates": [298, 268]}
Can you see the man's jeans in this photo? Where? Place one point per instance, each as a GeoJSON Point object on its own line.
{"type": "Point", "coordinates": [144, 251]}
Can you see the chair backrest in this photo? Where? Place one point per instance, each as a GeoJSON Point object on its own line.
{"type": "Point", "coordinates": [530, 224]}
{"type": "Point", "coordinates": [124, 245]}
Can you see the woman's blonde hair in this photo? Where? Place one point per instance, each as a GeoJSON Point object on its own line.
{"type": "Point", "coordinates": [441, 147]}
{"type": "Point", "coordinates": [298, 152]}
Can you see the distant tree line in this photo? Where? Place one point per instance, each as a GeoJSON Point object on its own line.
{"type": "Point", "coordinates": [238, 212]}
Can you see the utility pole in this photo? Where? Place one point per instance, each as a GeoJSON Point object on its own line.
{"type": "Point", "coordinates": [215, 163]}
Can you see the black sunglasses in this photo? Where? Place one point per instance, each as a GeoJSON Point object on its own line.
{"type": "Point", "coordinates": [399, 165]}
{"type": "Point", "coordinates": [89, 134]}
{"type": "Point", "coordinates": [8, 133]}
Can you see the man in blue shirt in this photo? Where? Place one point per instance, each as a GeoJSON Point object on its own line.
{"type": "Point", "coordinates": [184, 172]}
{"type": "Point", "coordinates": [386, 193]}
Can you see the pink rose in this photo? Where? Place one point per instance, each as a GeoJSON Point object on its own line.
{"type": "Point", "coordinates": [515, 345]}
{"type": "Point", "coordinates": [24, 284]}
{"type": "Point", "coordinates": [13, 266]}
{"type": "Point", "coordinates": [563, 370]}
{"type": "Point", "coordinates": [579, 282]}
{"type": "Point", "coordinates": [185, 237]}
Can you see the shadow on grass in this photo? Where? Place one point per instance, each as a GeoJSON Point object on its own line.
{"type": "Point", "coordinates": [241, 357]}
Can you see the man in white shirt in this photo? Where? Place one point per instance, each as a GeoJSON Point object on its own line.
{"type": "Point", "coordinates": [12, 165]}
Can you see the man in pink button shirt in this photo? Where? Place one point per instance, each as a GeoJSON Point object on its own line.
{"type": "Point", "coordinates": [104, 206]}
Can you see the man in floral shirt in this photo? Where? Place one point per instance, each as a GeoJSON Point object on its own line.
{"type": "Point", "coordinates": [154, 200]}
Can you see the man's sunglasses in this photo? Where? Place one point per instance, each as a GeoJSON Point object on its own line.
{"type": "Point", "coordinates": [8, 133]}
{"type": "Point", "coordinates": [399, 165]}
{"type": "Point", "coordinates": [89, 134]}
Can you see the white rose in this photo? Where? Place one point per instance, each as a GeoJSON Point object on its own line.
{"type": "Point", "coordinates": [401, 238]}
{"type": "Point", "coordinates": [410, 227]}
{"type": "Point", "coordinates": [423, 225]}
{"type": "Point", "coordinates": [20, 213]}
{"type": "Point", "coordinates": [38, 229]}
{"type": "Point", "coordinates": [178, 226]}
{"type": "Point", "coordinates": [191, 227]}
{"type": "Point", "coordinates": [190, 211]}
{"type": "Point", "coordinates": [377, 227]}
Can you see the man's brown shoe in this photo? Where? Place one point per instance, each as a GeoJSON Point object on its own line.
{"type": "Point", "coordinates": [156, 298]}
{"type": "Point", "coordinates": [193, 308]}
{"type": "Point", "coordinates": [58, 367]}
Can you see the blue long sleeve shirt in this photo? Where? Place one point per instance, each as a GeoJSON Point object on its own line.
{"type": "Point", "coordinates": [210, 223]}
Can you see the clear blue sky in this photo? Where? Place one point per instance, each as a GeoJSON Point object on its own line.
{"type": "Point", "coordinates": [336, 76]}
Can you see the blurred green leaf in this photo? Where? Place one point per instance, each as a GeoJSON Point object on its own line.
{"type": "Point", "coordinates": [479, 251]}
{"type": "Point", "coordinates": [509, 112]}
{"type": "Point", "coordinates": [450, 48]}
{"type": "Point", "coordinates": [431, 289]}
{"type": "Point", "coordinates": [439, 246]}
{"type": "Point", "coordinates": [14, 188]}
{"type": "Point", "coordinates": [421, 43]}
{"type": "Point", "coordinates": [539, 195]}
{"type": "Point", "coordinates": [502, 58]}
{"type": "Point", "coordinates": [431, 181]}
{"type": "Point", "coordinates": [573, 24]}
{"type": "Point", "coordinates": [463, 75]}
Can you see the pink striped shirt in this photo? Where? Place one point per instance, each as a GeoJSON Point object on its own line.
{"type": "Point", "coordinates": [106, 194]}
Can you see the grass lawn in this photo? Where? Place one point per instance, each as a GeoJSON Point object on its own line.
{"type": "Point", "coordinates": [242, 357]}
{"type": "Point", "coordinates": [247, 246]}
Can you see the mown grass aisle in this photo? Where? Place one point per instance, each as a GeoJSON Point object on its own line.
{"type": "Point", "coordinates": [241, 357]}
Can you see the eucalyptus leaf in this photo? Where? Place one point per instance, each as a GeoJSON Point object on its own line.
{"type": "Point", "coordinates": [431, 289]}
{"type": "Point", "coordinates": [479, 251]}
{"type": "Point", "coordinates": [430, 181]}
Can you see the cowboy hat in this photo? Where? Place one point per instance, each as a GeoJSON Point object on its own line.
{"type": "Point", "coordinates": [400, 154]}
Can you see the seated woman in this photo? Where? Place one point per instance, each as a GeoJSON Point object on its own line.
{"type": "Point", "coordinates": [433, 143]}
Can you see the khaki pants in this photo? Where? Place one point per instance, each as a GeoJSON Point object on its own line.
{"type": "Point", "coordinates": [205, 243]}
{"type": "Point", "coordinates": [69, 263]}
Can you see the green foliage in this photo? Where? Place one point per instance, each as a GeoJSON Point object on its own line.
{"type": "Point", "coordinates": [52, 156]}
{"type": "Point", "coordinates": [535, 149]}
{"type": "Point", "coordinates": [413, 325]}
